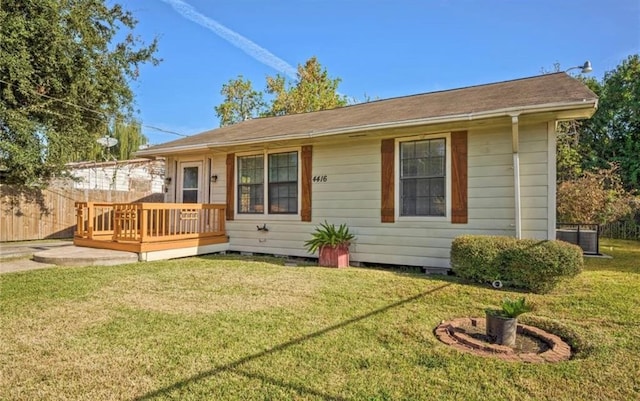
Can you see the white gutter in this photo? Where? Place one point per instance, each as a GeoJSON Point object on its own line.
{"type": "Point", "coordinates": [508, 112]}
{"type": "Point", "coordinates": [515, 145]}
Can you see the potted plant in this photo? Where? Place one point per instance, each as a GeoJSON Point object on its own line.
{"type": "Point", "coordinates": [502, 324]}
{"type": "Point", "coordinates": [332, 244]}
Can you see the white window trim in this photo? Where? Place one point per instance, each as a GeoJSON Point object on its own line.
{"type": "Point", "coordinates": [398, 208]}
{"type": "Point", "coordinates": [265, 215]}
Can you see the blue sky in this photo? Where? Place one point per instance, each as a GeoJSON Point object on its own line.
{"type": "Point", "coordinates": [379, 49]}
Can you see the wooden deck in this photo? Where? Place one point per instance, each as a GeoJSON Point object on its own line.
{"type": "Point", "coordinates": [148, 227]}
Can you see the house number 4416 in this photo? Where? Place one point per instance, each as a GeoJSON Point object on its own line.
{"type": "Point", "coordinates": [319, 178]}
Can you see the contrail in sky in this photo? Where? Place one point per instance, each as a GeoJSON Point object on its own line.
{"type": "Point", "coordinates": [259, 53]}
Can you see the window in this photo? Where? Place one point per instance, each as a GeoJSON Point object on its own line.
{"type": "Point", "coordinates": [190, 185]}
{"type": "Point", "coordinates": [189, 182]}
{"type": "Point", "coordinates": [250, 184]}
{"type": "Point", "coordinates": [281, 190]}
{"type": "Point", "coordinates": [283, 183]}
{"type": "Point", "coordinates": [423, 177]}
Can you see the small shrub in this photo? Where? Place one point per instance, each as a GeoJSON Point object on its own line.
{"type": "Point", "coordinates": [539, 265]}
{"type": "Point", "coordinates": [476, 257]}
{"type": "Point", "coordinates": [597, 196]}
{"type": "Point", "coordinates": [532, 265]}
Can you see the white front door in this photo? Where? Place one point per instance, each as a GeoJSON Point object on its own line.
{"type": "Point", "coordinates": [190, 182]}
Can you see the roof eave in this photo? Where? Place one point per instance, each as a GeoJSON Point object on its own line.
{"type": "Point", "coordinates": [565, 110]}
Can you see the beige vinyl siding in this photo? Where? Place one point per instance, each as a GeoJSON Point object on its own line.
{"type": "Point", "coordinates": [351, 195]}
{"type": "Point", "coordinates": [491, 194]}
{"type": "Point", "coordinates": [218, 189]}
{"type": "Point", "coordinates": [534, 180]}
{"type": "Point", "coordinates": [170, 172]}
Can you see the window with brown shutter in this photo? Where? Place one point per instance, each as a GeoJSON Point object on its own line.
{"type": "Point", "coordinates": [423, 177]}
{"type": "Point", "coordinates": [270, 183]}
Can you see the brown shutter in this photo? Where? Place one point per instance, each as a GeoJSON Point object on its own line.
{"type": "Point", "coordinates": [231, 159]}
{"type": "Point", "coordinates": [305, 183]}
{"type": "Point", "coordinates": [387, 211]}
{"type": "Point", "coordinates": [459, 174]}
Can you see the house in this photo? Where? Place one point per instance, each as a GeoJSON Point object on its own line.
{"type": "Point", "coordinates": [407, 174]}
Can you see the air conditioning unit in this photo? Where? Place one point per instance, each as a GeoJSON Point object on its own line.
{"type": "Point", "coordinates": [583, 235]}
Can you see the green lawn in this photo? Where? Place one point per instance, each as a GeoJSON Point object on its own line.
{"type": "Point", "coordinates": [230, 328]}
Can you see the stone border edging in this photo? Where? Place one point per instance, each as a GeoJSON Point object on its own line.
{"type": "Point", "coordinates": [452, 334]}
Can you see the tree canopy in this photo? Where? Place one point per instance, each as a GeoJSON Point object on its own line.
{"type": "Point", "coordinates": [613, 133]}
{"type": "Point", "coordinates": [128, 135]}
{"type": "Point", "coordinates": [598, 160]}
{"type": "Point", "coordinates": [65, 73]}
{"type": "Point", "coordinates": [312, 91]}
{"type": "Point", "coordinates": [241, 103]}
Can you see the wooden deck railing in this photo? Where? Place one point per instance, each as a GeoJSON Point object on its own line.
{"type": "Point", "coordinates": [148, 222]}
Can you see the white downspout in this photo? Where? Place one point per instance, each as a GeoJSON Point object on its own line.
{"type": "Point", "coordinates": [551, 180]}
{"type": "Point", "coordinates": [516, 173]}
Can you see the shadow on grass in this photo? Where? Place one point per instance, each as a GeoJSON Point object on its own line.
{"type": "Point", "coordinates": [234, 367]}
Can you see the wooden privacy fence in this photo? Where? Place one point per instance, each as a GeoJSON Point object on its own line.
{"type": "Point", "coordinates": [51, 212]}
{"type": "Point", "coordinates": [141, 227]}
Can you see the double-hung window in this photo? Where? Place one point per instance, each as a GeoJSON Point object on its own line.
{"type": "Point", "coordinates": [283, 183]}
{"type": "Point", "coordinates": [251, 184]}
{"type": "Point", "coordinates": [280, 173]}
{"type": "Point", "coordinates": [423, 181]}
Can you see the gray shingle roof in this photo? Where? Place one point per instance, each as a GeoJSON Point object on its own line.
{"type": "Point", "coordinates": [527, 94]}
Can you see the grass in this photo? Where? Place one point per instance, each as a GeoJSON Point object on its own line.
{"type": "Point", "coordinates": [231, 328]}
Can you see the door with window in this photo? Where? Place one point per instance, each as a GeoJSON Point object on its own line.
{"type": "Point", "coordinates": [190, 182]}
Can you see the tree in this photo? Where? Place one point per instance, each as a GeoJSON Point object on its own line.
{"type": "Point", "coordinates": [569, 157]}
{"type": "Point", "coordinates": [241, 102]}
{"type": "Point", "coordinates": [596, 196]}
{"type": "Point", "coordinates": [613, 133]}
{"type": "Point", "coordinates": [568, 160]}
{"type": "Point", "coordinates": [314, 90]}
{"type": "Point", "coordinates": [65, 71]}
{"type": "Point", "coordinates": [128, 135]}
{"type": "Point", "coordinates": [130, 138]}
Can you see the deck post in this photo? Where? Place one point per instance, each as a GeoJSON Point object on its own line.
{"type": "Point", "coordinates": [90, 216]}
{"type": "Point", "coordinates": [144, 221]}
{"type": "Point", "coordinates": [222, 214]}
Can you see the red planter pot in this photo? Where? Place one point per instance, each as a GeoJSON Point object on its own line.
{"type": "Point", "coordinates": [334, 256]}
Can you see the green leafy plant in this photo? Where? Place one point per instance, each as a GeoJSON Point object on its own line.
{"type": "Point", "coordinates": [512, 308]}
{"type": "Point", "coordinates": [328, 235]}
{"type": "Point", "coordinates": [533, 265]}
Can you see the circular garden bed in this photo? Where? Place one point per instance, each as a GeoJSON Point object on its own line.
{"type": "Point", "coordinates": [532, 344]}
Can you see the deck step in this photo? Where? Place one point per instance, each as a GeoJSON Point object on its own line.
{"type": "Point", "coordinates": [82, 256]}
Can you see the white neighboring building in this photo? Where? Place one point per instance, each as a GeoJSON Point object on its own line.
{"type": "Point", "coordinates": [141, 175]}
